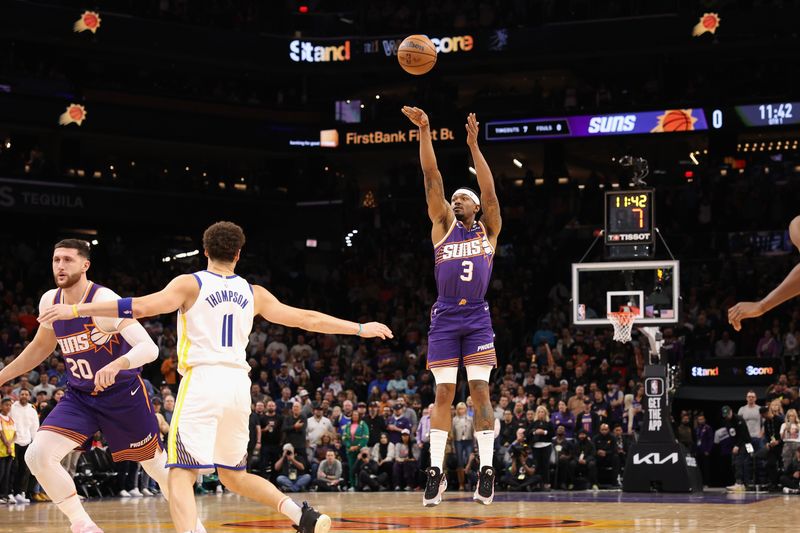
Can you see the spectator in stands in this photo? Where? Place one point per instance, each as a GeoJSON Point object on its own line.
{"type": "Point", "coordinates": [383, 453]}
{"type": "Point", "coordinates": [770, 452]}
{"type": "Point", "coordinates": [703, 444]}
{"type": "Point", "coordinates": [684, 433]}
{"type": "Point", "coordinates": [397, 423]}
{"type": "Point", "coordinates": [790, 435]}
{"type": "Point", "coordinates": [607, 457]}
{"type": "Point", "coordinates": [587, 420]}
{"type": "Point", "coordinates": [317, 426]}
{"type": "Point", "coordinates": [7, 450]}
{"type": "Point", "coordinates": [423, 440]}
{"type": "Point", "coordinates": [565, 453]}
{"type": "Point", "coordinates": [329, 474]}
{"type": "Point", "coordinates": [405, 466]}
{"type": "Point", "coordinates": [375, 422]}
{"type": "Point", "coordinates": [355, 436]}
{"type": "Point", "coordinates": [26, 422]}
{"type": "Point", "coordinates": [169, 407]}
{"type": "Point", "coordinates": [47, 385]}
{"type": "Point", "coordinates": [751, 414]}
{"type": "Point", "coordinates": [725, 347]}
{"type": "Point", "coordinates": [169, 369]}
{"type": "Point", "coordinates": [294, 476]}
{"type": "Point", "coordinates": [540, 434]}
{"type": "Point", "coordinates": [576, 402]}
{"type": "Point", "coordinates": [767, 345]}
{"type": "Point", "coordinates": [737, 429]}
{"type": "Point", "coordinates": [463, 440]}
{"type": "Point", "coordinates": [585, 461]}
{"type": "Point", "coordinates": [294, 430]}
{"type": "Point", "coordinates": [398, 383]}
{"type": "Point", "coordinates": [791, 474]}
{"type": "Point", "coordinates": [255, 424]}
{"type": "Point", "coordinates": [564, 418]}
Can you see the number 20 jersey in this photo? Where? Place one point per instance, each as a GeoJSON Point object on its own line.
{"type": "Point", "coordinates": [216, 329]}
{"type": "Point", "coordinates": [463, 262]}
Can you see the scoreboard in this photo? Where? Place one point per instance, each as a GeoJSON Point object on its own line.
{"type": "Point", "coordinates": [630, 223]}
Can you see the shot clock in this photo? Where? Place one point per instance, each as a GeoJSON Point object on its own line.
{"type": "Point", "coordinates": [629, 221]}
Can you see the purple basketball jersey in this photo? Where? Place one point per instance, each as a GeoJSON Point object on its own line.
{"type": "Point", "coordinates": [87, 348]}
{"type": "Point", "coordinates": [464, 263]}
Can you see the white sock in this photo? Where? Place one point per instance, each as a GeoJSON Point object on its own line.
{"type": "Point", "coordinates": [290, 509]}
{"type": "Point", "coordinates": [73, 508]}
{"type": "Point", "coordinates": [485, 446]}
{"type": "Point", "coordinates": [438, 444]}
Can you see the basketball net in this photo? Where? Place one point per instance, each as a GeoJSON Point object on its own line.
{"type": "Point", "coordinates": [623, 323]}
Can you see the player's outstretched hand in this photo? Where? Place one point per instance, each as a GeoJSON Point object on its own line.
{"type": "Point", "coordinates": [56, 312]}
{"type": "Point", "coordinates": [376, 329]}
{"type": "Point", "coordinates": [106, 376]}
{"type": "Point", "coordinates": [472, 129]}
{"type": "Point", "coordinates": [743, 310]}
{"type": "Point", "coordinates": [416, 115]}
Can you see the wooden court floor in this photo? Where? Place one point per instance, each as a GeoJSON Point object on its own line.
{"type": "Point", "coordinates": [403, 513]}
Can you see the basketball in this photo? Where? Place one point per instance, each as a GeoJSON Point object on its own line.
{"type": "Point", "coordinates": [416, 54]}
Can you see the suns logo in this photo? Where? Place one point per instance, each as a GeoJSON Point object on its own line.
{"type": "Point", "coordinates": [90, 338]}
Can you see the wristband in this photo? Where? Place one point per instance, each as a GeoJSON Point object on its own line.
{"type": "Point", "coordinates": [75, 310]}
{"type": "Point", "coordinates": [360, 329]}
{"type": "Point", "coordinates": [125, 308]}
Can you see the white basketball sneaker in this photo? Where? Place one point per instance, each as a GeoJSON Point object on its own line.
{"type": "Point", "coordinates": [85, 527]}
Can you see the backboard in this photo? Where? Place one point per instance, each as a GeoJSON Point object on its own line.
{"type": "Point", "coordinates": [600, 288]}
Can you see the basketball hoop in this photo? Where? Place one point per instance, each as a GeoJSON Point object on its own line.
{"type": "Point", "coordinates": [623, 324]}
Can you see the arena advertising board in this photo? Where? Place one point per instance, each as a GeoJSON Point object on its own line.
{"type": "Point", "coordinates": [743, 371]}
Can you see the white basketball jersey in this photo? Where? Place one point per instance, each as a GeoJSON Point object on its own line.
{"type": "Point", "coordinates": [216, 329]}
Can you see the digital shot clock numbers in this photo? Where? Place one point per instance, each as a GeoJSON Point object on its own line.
{"type": "Point", "coordinates": [629, 217]}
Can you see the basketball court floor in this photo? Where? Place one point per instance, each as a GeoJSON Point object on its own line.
{"type": "Point", "coordinates": [402, 513]}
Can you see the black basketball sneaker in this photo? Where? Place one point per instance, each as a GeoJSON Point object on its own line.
{"type": "Point", "coordinates": [312, 521]}
{"type": "Point", "coordinates": [484, 493]}
{"type": "Point", "coordinates": [435, 486]}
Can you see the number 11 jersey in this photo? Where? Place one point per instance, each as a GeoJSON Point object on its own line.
{"type": "Point", "coordinates": [216, 329]}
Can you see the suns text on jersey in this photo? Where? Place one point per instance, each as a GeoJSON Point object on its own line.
{"type": "Point", "coordinates": [459, 250]}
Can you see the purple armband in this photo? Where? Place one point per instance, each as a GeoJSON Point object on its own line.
{"type": "Point", "coordinates": [125, 308]}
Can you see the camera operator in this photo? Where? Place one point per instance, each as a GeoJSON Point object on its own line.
{"type": "Point", "coordinates": [293, 468]}
{"type": "Point", "coordinates": [367, 473]}
{"type": "Point", "coordinates": [521, 475]}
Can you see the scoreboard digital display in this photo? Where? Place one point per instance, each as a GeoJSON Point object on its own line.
{"type": "Point", "coordinates": [629, 217]}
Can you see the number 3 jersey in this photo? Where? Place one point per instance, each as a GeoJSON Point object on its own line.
{"type": "Point", "coordinates": [463, 262]}
{"type": "Point", "coordinates": [89, 343]}
{"type": "Point", "coordinates": [216, 329]}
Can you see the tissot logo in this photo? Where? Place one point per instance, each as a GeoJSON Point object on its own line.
{"type": "Point", "coordinates": [612, 124]}
{"type": "Point", "coordinates": [655, 459]}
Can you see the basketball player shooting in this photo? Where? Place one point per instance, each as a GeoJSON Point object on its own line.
{"type": "Point", "coordinates": [210, 423]}
{"type": "Point", "coordinates": [104, 390]}
{"type": "Point", "coordinates": [461, 327]}
{"type": "Point", "coordinates": [789, 288]}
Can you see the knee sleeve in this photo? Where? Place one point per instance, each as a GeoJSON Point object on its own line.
{"type": "Point", "coordinates": [479, 373]}
{"type": "Point", "coordinates": [446, 375]}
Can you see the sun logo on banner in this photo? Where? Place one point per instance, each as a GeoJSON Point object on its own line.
{"type": "Point", "coordinates": [90, 20]}
{"type": "Point", "coordinates": [75, 113]}
{"type": "Point", "coordinates": [675, 120]}
{"type": "Point", "coordinates": [709, 22]}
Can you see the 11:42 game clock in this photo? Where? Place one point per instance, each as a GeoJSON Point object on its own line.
{"type": "Point", "coordinates": [629, 217]}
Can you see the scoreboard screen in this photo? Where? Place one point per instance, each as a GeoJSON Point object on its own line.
{"type": "Point", "coordinates": [629, 217]}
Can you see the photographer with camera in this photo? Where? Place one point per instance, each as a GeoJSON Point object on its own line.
{"type": "Point", "coordinates": [293, 468]}
{"type": "Point", "coordinates": [521, 474]}
{"type": "Point", "coordinates": [367, 474]}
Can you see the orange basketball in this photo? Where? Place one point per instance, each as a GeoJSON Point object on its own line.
{"type": "Point", "coordinates": [677, 120]}
{"type": "Point", "coordinates": [416, 54]}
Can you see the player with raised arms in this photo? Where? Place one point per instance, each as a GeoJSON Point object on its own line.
{"type": "Point", "coordinates": [104, 390]}
{"type": "Point", "coordinates": [209, 426]}
{"type": "Point", "coordinates": [461, 327]}
{"type": "Point", "coordinates": [788, 289]}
